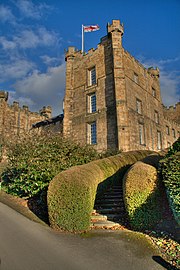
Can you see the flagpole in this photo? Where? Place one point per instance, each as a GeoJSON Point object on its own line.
{"type": "Point", "coordinates": [82, 38]}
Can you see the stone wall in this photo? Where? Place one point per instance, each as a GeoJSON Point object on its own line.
{"type": "Point", "coordinates": [16, 121]}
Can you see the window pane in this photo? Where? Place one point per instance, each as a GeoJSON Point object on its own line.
{"type": "Point", "coordinates": [136, 78]}
{"type": "Point", "coordinates": [93, 76]}
{"type": "Point", "coordinates": [93, 133]}
{"type": "Point", "coordinates": [159, 142]}
{"type": "Point", "coordinates": [138, 106]}
{"type": "Point", "coordinates": [93, 103]}
{"type": "Point", "coordinates": [141, 134]}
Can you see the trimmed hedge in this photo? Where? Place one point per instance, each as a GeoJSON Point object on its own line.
{"type": "Point", "coordinates": [142, 194]}
{"type": "Point", "coordinates": [170, 173]}
{"type": "Point", "coordinates": [71, 194]}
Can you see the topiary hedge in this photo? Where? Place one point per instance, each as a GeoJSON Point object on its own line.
{"type": "Point", "coordinates": [71, 194]}
{"type": "Point", "coordinates": [170, 174]}
{"type": "Point", "coordinates": [142, 194]}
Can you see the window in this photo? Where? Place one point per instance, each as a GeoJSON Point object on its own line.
{"type": "Point", "coordinates": [92, 76]}
{"type": "Point", "coordinates": [136, 79]}
{"type": "Point", "coordinates": [167, 130]}
{"type": "Point", "coordinates": [138, 106]}
{"type": "Point", "coordinates": [159, 140]}
{"type": "Point", "coordinates": [92, 103]}
{"type": "Point", "coordinates": [141, 134]}
{"type": "Point", "coordinates": [156, 117]}
{"type": "Point", "coordinates": [173, 133]}
{"type": "Point", "coordinates": [153, 92]}
{"type": "Point", "coordinates": [92, 133]}
{"type": "Point", "coordinates": [168, 144]}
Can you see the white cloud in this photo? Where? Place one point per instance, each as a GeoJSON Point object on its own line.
{"type": "Point", "coordinates": [50, 60]}
{"type": "Point", "coordinates": [30, 39]}
{"type": "Point", "coordinates": [16, 68]}
{"type": "Point", "coordinates": [29, 10]}
{"type": "Point", "coordinates": [6, 15]}
{"type": "Point", "coordinates": [169, 78]}
{"type": "Point", "coordinates": [42, 89]}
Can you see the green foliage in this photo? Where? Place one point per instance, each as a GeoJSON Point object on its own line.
{"type": "Point", "coordinates": [174, 148]}
{"type": "Point", "coordinates": [34, 161]}
{"type": "Point", "coordinates": [170, 174]}
{"type": "Point", "coordinates": [71, 194]}
{"type": "Point", "coordinates": [142, 195]}
{"type": "Point", "coordinates": [144, 210]}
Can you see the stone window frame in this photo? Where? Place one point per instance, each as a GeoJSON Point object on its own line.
{"type": "Point", "coordinates": [153, 92]}
{"type": "Point", "coordinates": [167, 130]}
{"type": "Point", "coordinates": [141, 134]}
{"type": "Point", "coordinates": [92, 80]}
{"type": "Point", "coordinates": [156, 116]}
{"type": "Point", "coordinates": [173, 133]}
{"type": "Point", "coordinates": [138, 106]}
{"type": "Point", "coordinates": [92, 133]}
{"type": "Point", "coordinates": [136, 77]}
{"type": "Point", "coordinates": [168, 144]}
{"type": "Point", "coordinates": [92, 103]}
{"type": "Point", "coordinates": [159, 140]}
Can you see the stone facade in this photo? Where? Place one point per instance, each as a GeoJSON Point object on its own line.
{"type": "Point", "coordinates": [16, 121]}
{"type": "Point", "coordinates": [112, 101]}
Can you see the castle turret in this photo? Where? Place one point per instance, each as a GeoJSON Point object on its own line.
{"type": "Point", "coordinates": [46, 111]}
{"type": "Point", "coordinates": [69, 57]}
{"type": "Point", "coordinates": [3, 95]}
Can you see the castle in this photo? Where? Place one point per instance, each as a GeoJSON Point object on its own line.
{"type": "Point", "coordinates": [113, 102]}
{"type": "Point", "coordinates": [16, 121]}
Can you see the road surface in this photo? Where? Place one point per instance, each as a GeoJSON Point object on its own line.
{"type": "Point", "coordinates": [26, 245]}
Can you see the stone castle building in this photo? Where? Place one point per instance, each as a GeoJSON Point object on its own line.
{"type": "Point", "coordinates": [17, 121]}
{"type": "Point", "coordinates": [113, 102]}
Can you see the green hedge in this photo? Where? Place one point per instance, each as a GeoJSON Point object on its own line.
{"type": "Point", "coordinates": [71, 194]}
{"type": "Point", "coordinates": [170, 173]}
{"type": "Point", "coordinates": [142, 194]}
{"type": "Point", "coordinates": [33, 162]}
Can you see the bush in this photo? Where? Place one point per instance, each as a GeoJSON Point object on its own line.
{"type": "Point", "coordinates": [142, 195]}
{"type": "Point", "coordinates": [170, 173]}
{"type": "Point", "coordinates": [71, 194]}
{"type": "Point", "coordinates": [34, 161]}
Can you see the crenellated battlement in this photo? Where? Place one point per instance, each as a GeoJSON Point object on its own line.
{"type": "Point", "coordinates": [172, 112]}
{"type": "Point", "coordinates": [16, 120]}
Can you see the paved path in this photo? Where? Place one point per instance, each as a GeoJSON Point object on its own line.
{"type": "Point", "coordinates": [26, 245]}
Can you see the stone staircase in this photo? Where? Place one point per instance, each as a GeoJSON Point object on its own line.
{"type": "Point", "coordinates": [109, 210]}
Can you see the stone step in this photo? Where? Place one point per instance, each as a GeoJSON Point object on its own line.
{"type": "Point", "coordinates": [108, 200]}
{"type": "Point", "coordinates": [110, 205]}
{"type": "Point", "coordinates": [115, 217]}
{"type": "Point", "coordinates": [107, 224]}
{"type": "Point", "coordinates": [98, 217]}
{"type": "Point", "coordinates": [108, 211]}
{"type": "Point", "coordinates": [113, 194]}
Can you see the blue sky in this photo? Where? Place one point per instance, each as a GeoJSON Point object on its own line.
{"type": "Point", "coordinates": [35, 33]}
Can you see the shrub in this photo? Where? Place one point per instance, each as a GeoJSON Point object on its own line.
{"type": "Point", "coordinates": [34, 161]}
{"type": "Point", "coordinates": [170, 173]}
{"type": "Point", "coordinates": [71, 193]}
{"type": "Point", "coordinates": [142, 195]}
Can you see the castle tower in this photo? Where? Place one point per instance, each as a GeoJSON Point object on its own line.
{"type": "Point", "coordinates": [46, 111]}
{"type": "Point", "coordinates": [67, 122]}
{"type": "Point", "coordinates": [111, 100]}
{"type": "Point", "coordinates": [116, 31]}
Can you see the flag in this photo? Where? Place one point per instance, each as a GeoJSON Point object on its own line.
{"type": "Point", "coordinates": [90, 28]}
